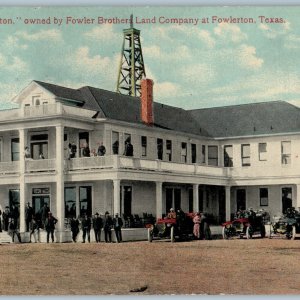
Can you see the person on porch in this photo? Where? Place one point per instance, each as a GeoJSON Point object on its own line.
{"type": "Point", "coordinates": [171, 214]}
{"type": "Point", "coordinates": [86, 224]}
{"type": "Point", "coordinates": [107, 225]}
{"type": "Point", "coordinates": [50, 226]}
{"type": "Point", "coordinates": [97, 225]}
{"type": "Point", "coordinates": [118, 223]}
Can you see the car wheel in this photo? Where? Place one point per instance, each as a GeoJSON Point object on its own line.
{"type": "Point", "coordinates": [172, 236]}
{"type": "Point", "coordinates": [249, 233]}
{"type": "Point", "coordinates": [293, 232]}
{"type": "Point", "coordinates": [150, 235]}
{"type": "Point", "coordinates": [263, 231]}
{"type": "Point", "coordinates": [224, 233]}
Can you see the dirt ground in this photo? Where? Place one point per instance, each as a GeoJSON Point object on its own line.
{"type": "Point", "coordinates": [258, 266]}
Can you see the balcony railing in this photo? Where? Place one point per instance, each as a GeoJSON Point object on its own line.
{"type": "Point", "coordinates": [44, 110]}
{"type": "Point", "coordinates": [40, 165]}
{"type": "Point", "coordinates": [10, 167]}
{"type": "Point", "coordinates": [87, 163]}
{"type": "Point", "coordinates": [128, 163]}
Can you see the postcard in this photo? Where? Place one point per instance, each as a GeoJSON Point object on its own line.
{"type": "Point", "coordinates": [149, 150]}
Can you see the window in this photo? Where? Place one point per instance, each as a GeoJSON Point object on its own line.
{"type": "Point", "coordinates": [169, 150]}
{"type": "Point", "coordinates": [228, 154]}
{"type": "Point", "coordinates": [39, 145]}
{"type": "Point", "coordinates": [144, 145]}
{"type": "Point", "coordinates": [246, 155]}
{"type": "Point", "coordinates": [194, 153]}
{"type": "Point", "coordinates": [262, 151]}
{"type": "Point", "coordinates": [212, 155]}
{"type": "Point", "coordinates": [203, 152]}
{"type": "Point", "coordinates": [70, 202]}
{"type": "Point", "coordinates": [183, 152]}
{"type": "Point", "coordinates": [264, 197]}
{"type": "Point", "coordinates": [15, 149]}
{"type": "Point", "coordinates": [160, 147]}
{"type": "Point", "coordinates": [286, 153]}
{"type": "Point", "coordinates": [85, 200]}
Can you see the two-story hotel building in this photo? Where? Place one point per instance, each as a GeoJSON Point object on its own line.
{"type": "Point", "coordinates": [214, 160]}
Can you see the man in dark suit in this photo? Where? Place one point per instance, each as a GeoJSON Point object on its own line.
{"type": "Point", "coordinates": [44, 213]}
{"type": "Point", "coordinates": [118, 223]}
{"type": "Point", "coordinates": [28, 216]}
{"type": "Point", "coordinates": [50, 226]}
{"type": "Point", "coordinates": [108, 223]}
{"type": "Point", "coordinates": [86, 224]}
{"type": "Point", "coordinates": [97, 225]}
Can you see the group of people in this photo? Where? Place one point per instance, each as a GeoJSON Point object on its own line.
{"type": "Point", "coordinates": [33, 222]}
{"type": "Point", "coordinates": [86, 152]}
{"type": "Point", "coordinates": [101, 151]}
{"type": "Point", "coordinates": [199, 220]}
{"type": "Point", "coordinates": [107, 223]}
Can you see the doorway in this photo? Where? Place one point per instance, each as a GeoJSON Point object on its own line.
{"type": "Point", "coordinates": [127, 201]}
{"type": "Point", "coordinates": [241, 199]}
{"type": "Point", "coordinates": [39, 201]}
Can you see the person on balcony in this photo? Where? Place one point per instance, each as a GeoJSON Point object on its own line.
{"type": "Point", "coordinates": [101, 150]}
{"type": "Point", "coordinates": [41, 156]}
{"type": "Point", "coordinates": [107, 225]}
{"type": "Point", "coordinates": [27, 153]}
{"type": "Point", "coordinates": [86, 151]}
{"type": "Point", "coordinates": [86, 224]}
{"type": "Point", "coordinates": [128, 151]}
{"type": "Point", "coordinates": [72, 150]}
{"type": "Point", "coordinates": [115, 147]}
{"type": "Point", "coordinates": [97, 225]}
{"type": "Point", "coordinates": [50, 226]}
{"type": "Point", "coordinates": [118, 223]}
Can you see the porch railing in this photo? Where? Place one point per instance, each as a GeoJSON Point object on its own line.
{"type": "Point", "coordinates": [40, 165]}
{"type": "Point", "coordinates": [85, 163]}
{"type": "Point", "coordinates": [10, 167]}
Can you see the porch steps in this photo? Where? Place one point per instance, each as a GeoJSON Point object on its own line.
{"type": "Point", "coordinates": [5, 237]}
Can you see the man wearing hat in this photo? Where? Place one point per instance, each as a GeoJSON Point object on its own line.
{"type": "Point", "coordinates": [50, 226]}
{"type": "Point", "coordinates": [28, 216]}
{"type": "Point", "coordinates": [171, 214]}
{"type": "Point", "coordinates": [118, 223]}
{"type": "Point", "coordinates": [86, 228]}
{"type": "Point", "coordinates": [107, 225]}
{"type": "Point", "coordinates": [97, 225]}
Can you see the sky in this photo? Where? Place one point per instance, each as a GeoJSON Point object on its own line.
{"type": "Point", "coordinates": [207, 64]}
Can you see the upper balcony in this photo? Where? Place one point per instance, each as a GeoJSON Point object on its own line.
{"type": "Point", "coordinates": [45, 110]}
{"type": "Point", "coordinates": [115, 162]}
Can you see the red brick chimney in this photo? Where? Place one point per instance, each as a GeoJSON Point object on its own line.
{"type": "Point", "coordinates": [147, 101]}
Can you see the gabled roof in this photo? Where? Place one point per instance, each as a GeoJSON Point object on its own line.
{"type": "Point", "coordinates": [127, 108]}
{"type": "Point", "coordinates": [219, 122]}
{"type": "Point", "coordinates": [249, 119]}
{"type": "Point", "coordinates": [62, 92]}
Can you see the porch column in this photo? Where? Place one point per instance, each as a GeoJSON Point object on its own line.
{"type": "Point", "coordinates": [298, 196]}
{"type": "Point", "coordinates": [195, 197]}
{"type": "Point", "coordinates": [158, 199]}
{"type": "Point", "coordinates": [228, 202]}
{"type": "Point", "coordinates": [23, 187]}
{"type": "Point", "coordinates": [117, 200]}
{"type": "Point", "coordinates": [60, 205]}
